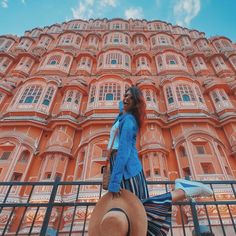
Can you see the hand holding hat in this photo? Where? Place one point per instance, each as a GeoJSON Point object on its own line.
{"type": "Point", "coordinates": [120, 216]}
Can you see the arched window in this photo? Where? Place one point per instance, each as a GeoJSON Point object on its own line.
{"type": "Point", "coordinates": [31, 94]}
{"type": "Point", "coordinates": [66, 61]}
{"type": "Point", "coordinates": [109, 96]}
{"type": "Point", "coordinates": [199, 95]}
{"type": "Point", "coordinates": [4, 63]}
{"type": "Point", "coordinates": [114, 58]}
{"type": "Point", "coordinates": [185, 93]}
{"type": "Point", "coordinates": [48, 96]}
{"type": "Point", "coordinates": [110, 91]}
{"type": "Point", "coordinates": [92, 94]}
{"type": "Point", "coordinates": [72, 96]}
{"type": "Point", "coordinates": [171, 60]}
{"type": "Point", "coordinates": [169, 95]}
{"type": "Point", "coordinates": [54, 60]}
{"type": "Point", "coordinates": [126, 60]}
{"type": "Point", "coordinates": [148, 95]}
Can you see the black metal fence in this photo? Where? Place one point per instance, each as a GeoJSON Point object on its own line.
{"type": "Point", "coordinates": [64, 208]}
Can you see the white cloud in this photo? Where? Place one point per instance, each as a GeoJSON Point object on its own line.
{"type": "Point", "coordinates": [87, 9]}
{"type": "Point", "coordinates": [4, 3]}
{"type": "Point", "coordinates": [186, 10]}
{"type": "Point", "coordinates": [135, 13]}
{"type": "Point", "coordinates": [111, 3]}
{"type": "Point", "coordinates": [83, 10]}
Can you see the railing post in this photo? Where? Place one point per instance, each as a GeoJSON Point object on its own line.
{"type": "Point", "coordinates": [50, 206]}
{"type": "Point", "coordinates": [195, 218]}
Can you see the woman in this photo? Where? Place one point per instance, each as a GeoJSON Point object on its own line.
{"type": "Point", "coordinates": [127, 172]}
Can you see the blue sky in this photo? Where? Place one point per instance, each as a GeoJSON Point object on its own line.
{"type": "Point", "coordinates": [214, 17]}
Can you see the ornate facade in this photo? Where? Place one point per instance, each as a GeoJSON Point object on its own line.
{"type": "Point", "coordinates": [59, 92]}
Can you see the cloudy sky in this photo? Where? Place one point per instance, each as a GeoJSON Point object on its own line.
{"type": "Point", "coordinates": [214, 17]}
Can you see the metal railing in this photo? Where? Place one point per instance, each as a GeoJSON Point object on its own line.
{"type": "Point", "coordinates": [64, 208]}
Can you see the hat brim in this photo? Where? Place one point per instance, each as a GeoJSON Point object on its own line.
{"type": "Point", "coordinates": [127, 202]}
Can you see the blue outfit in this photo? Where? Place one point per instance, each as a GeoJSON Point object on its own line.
{"type": "Point", "coordinates": [127, 164]}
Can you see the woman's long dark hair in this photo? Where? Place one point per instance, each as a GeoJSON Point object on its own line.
{"type": "Point", "coordinates": [139, 107]}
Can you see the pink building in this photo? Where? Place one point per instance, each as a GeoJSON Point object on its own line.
{"type": "Point", "coordinates": [59, 92]}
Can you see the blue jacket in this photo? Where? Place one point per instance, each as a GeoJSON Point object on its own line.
{"type": "Point", "coordinates": [126, 162]}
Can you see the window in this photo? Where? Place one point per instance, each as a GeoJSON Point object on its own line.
{"type": "Point", "coordinates": [16, 176]}
{"type": "Point", "coordinates": [171, 60]}
{"type": "Point", "coordinates": [200, 150]}
{"type": "Point", "coordinates": [24, 157]}
{"type": "Point", "coordinates": [110, 91]}
{"type": "Point", "coordinates": [54, 60]}
{"type": "Point", "coordinates": [4, 63]}
{"type": "Point", "coordinates": [185, 93]}
{"type": "Point", "coordinates": [47, 175]}
{"type": "Point", "coordinates": [148, 95]}
{"type": "Point", "coordinates": [207, 168]}
{"type": "Point", "coordinates": [48, 96]}
{"type": "Point", "coordinates": [199, 95]}
{"type": "Point", "coordinates": [109, 96]}
{"type": "Point", "coordinates": [114, 58]}
{"type": "Point", "coordinates": [169, 95]}
{"type": "Point", "coordinates": [72, 96]}
{"type": "Point", "coordinates": [31, 94]}
{"type": "Point", "coordinates": [5, 155]}
{"type": "Point", "coordinates": [92, 94]}
{"type": "Point", "coordinates": [66, 61]}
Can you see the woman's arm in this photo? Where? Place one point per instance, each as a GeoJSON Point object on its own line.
{"type": "Point", "coordinates": [127, 133]}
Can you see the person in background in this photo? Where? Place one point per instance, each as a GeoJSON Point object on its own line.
{"type": "Point", "coordinates": [127, 172]}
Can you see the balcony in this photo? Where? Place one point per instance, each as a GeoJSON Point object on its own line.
{"type": "Point", "coordinates": [68, 206]}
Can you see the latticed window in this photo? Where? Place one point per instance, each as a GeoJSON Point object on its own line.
{"type": "Point", "coordinates": [78, 40]}
{"type": "Point", "coordinates": [185, 93]}
{"type": "Point", "coordinates": [4, 63]}
{"type": "Point", "coordinates": [126, 60]}
{"type": "Point", "coordinates": [114, 58]}
{"type": "Point", "coordinates": [110, 91]}
{"type": "Point", "coordinates": [218, 46]}
{"type": "Point", "coordinates": [45, 42]}
{"type": "Point", "coordinates": [31, 94]}
{"type": "Point", "coordinates": [199, 95]}
{"type": "Point", "coordinates": [169, 95]}
{"type": "Point", "coordinates": [66, 61]}
{"type": "Point", "coordinates": [215, 96]}
{"type": "Point", "coordinates": [24, 157]}
{"type": "Point", "coordinates": [92, 94]}
{"type": "Point", "coordinates": [171, 60]}
{"type": "Point", "coordinates": [5, 155]}
{"type": "Point", "coordinates": [54, 60]}
{"type": "Point", "coordinates": [153, 41]}
{"type": "Point", "coordinates": [182, 61]}
{"type": "Point", "coordinates": [26, 61]}
{"type": "Point", "coordinates": [72, 97]}
{"type": "Point", "coordinates": [226, 44]}
{"type": "Point", "coordinates": [67, 39]}
{"type": "Point", "coordinates": [148, 95]}
{"type": "Point", "coordinates": [48, 96]}
{"type": "Point", "coordinates": [163, 40]}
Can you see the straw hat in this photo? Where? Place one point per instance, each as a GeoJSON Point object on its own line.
{"type": "Point", "coordinates": [121, 216]}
